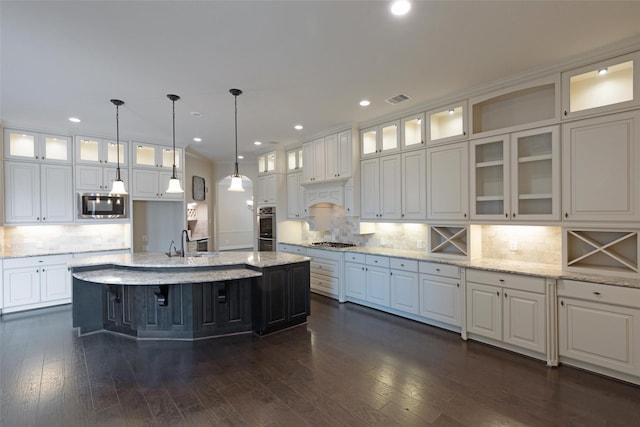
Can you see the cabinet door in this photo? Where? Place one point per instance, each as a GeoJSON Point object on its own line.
{"type": "Point", "coordinates": [22, 192]}
{"type": "Point", "coordinates": [378, 286]}
{"type": "Point", "coordinates": [390, 137]}
{"type": "Point", "coordinates": [166, 157]}
{"type": "Point", "coordinates": [267, 189]}
{"type": "Point", "coordinates": [448, 182]}
{"type": "Point", "coordinates": [414, 182]}
{"type": "Point", "coordinates": [293, 193]}
{"type": "Point", "coordinates": [145, 183]}
{"type": "Point", "coordinates": [21, 286]}
{"type": "Point", "coordinates": [601, 334]}
{"type": "Point", "coordinates": [308, 156]}
{"type": "Point", "coordinates": [484, 310]}
{"type": "Point", "coordinates": [89, 178]}
{"type": "Point", "coordinates": [412, 131]}
{"type": "Point", "coordinates": [490, 178]}
{"type": "Point", "coordinates": [368, 142]}
{"type": "Point", "coordinates": [144, 155]}
{"type": "Point", "coordinates": [599, 169]}
{"type": "Point", "coordinates": [370, 188]}
{"type": "Point", "coordinates": [345, 154]}
{"type": "Point", "coordinates": [405, 291]}
{"type": "Point", "coordinates": [55, 148]}
{"type": "Point", "coordinates": [56, 193]}
{"type": "Point", "coordinates": [390, 187]}
{"type": "Point", "coordinates": [20, 145]}
{"type": "Point", "coordinates": [332, 160]}
{"type": "Point", "coordinates": [111, 155]}
{"type": "Point", "coordinates": [524, 319]}
{"type": "Point", "coordinates": [447, 124]}
{"type": "Point", "coordinates": [355, 280]}
{"type": "Point", "coordinates": [55, 283]}
{"type": "Point", "coordinates": [535, 174]}
{"type": "Point", "coordinates": [298, 289]}
{"type": "Point", "coordinates": [440, 299]}
{"type": "Point", "coordinates": [318, 166]}
{"type": "Point", "coordinates": [88, 150]}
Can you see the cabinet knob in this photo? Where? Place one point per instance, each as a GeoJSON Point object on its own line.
{"type": "Point", "coordinates": [498, 293]}
{"type": "Point", "coordinates": [506, 215]}
{"type": "Point", "coordinates": [464, 133]}
{"type": "Point", "coordinates": [565, 112]}
{"type": "Point", "coordinates": [391, 273]}
{"type": "Point", "coordinates": [566, 215]}
{"type": "Point", "coordinates": [44, 219]}
{"type": "Point", "coordinates": [37, 270]}
{"type": "Point", "coordinates": [596, 293]}
{"type": "Point", "coordinates": [38, 218]}
{"type": "Point", "coordinates": [501, 280]}
{"type": "Point", "coordinates": [562, 303]}
{"type": "Point", "coordinates": [437, 269]}
{"type": "Point", "coordinates": [37, 157]}
{"type": "Point", "coordinates": [458, 284]}
{"type": "Point", "coordinates": [465, 215]}
{"type": "Point", "coordinates": [513, 215]}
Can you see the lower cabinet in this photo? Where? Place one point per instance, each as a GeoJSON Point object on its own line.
{"type": "Point", "coordinates": [367, 279]}
{"type": "Point", "coordinates": [282, 298]}
{"type": "Point", "coordinates": [326, 274]}
{"type": "Point", "coordinates": [35, 282]}
{"type": "Point", "coordinates": [599, 328]}
{"type": "Point", "coordinates": [405, 287]}
{"type": "Point", "coordinates": [441, 296]}
{"type": "Point", "coordinates": [507, 308]}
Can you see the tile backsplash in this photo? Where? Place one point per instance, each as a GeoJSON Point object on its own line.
{"type": "Point", "coordinates": [71, 238]}
{"type": "Point", "coordinates": [540, 244]}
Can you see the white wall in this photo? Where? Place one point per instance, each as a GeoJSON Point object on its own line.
{"type": "Point", "coordinates": [156, 224]}
{"type": "Point", "coordinates": [235, 219]}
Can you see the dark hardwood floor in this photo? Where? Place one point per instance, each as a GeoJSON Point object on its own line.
{"type": "Point", "coordinates": [349, 366]}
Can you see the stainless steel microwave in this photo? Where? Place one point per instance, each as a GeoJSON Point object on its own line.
{"type": "Point", "coordinates": [102, 206]}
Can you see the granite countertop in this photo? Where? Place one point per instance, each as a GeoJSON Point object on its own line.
{"type": "Point", "coordinates": [502, 266]}
{"type": "Point", "coordinates": [35, 252]}
{"type": "Point", "coordinates": [218, 259]}
{"type": "Point", "coordinates": [115, 276]}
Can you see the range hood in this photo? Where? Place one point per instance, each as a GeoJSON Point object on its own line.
{"type": "Point", "coordinates": [324, 192]}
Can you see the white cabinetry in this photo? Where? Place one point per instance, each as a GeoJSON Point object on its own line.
{"type": "Point", "coordinates": [295, 197]}
{"type": "Point", "coordinates": [600, 168]}
{"type": "Point", "coordinates": [516, 176]}
{"type": "Point", "coordinates": [294, 160]}
{"type": "Point", "coordinates": [412, 131]}
{"type": "Point", "coordinates": [367, 279]}
{"type": "Point", "coordinates": [381, 139]}
{"type": "Point", "coordinates": [441, 296]}
{"type": "Point", "coordinates": [152, 184]}
{"type": "Point", "coordinates": [267, 189]}
{"type": "Point", "coordinates": [328, 159]}
{"type": "Point", "coordinates": [381, 188]}
{"type": "Point", "coordinates": [38, 193]}
{"type": "Point", "coordinates": [404, 285]}
{"type": "Point", "coordinates": [326, 272]}
{"type": "Point", "coordinates": [448, 182]}
{"type": "Point", "coordinates": [292, 249]}
{"type": "Point", "coordinates": [507, 308]}
{"type": "Point", "coordinates": [25, 145]}
{"type": "Point", "coordinates": [313, 155]}
{"type": "Point", "coordinates": [599, 328]}
{"type": "Point", "coordinates": [100, 151]}
{"type": "Point", "coordinates": [35, 282]}
{"type": "Point", "coordinates": [267, 163]}
{"type": "Point", "coordinates": [414, 182]}
{"type": "Point", "coordinates": [447, 124]}
{"type": "Point", "coordinates": [601, 87]}
{"type": "Point", "coordinates": [98, 179]}
{"type": "Point", "coordinates": [154, 156]}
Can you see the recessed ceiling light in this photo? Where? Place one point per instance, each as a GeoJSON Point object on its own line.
{"type": "Point", "coordinates": [257, 143]}
{"type": "Point", "coordinates": [299, 127]}
{"type": "Point", "coordinates": [196, 139]}
{"type": "Point", "coordinates": [74, 119]}
{"type": "Point", "coordinates": [400, 7]}
{"type": "Point", "coordinates": [195, 114]}
{"type": "Point", "coordinates": [365, 103]}
{"type": "Point", "coordinates": [602, 71]}
{"type": "Point", "coordinates": [241, 157]}
{"type": "Point", "coordinates": [451, 111]}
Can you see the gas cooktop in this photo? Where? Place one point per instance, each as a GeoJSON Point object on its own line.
{"type": "Point", "coordinates": [333, 244]}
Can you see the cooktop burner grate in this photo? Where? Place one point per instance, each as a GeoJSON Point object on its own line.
{"type": "Point", "coordinates": [333, 244]}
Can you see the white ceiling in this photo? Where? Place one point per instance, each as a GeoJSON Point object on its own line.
{"type": "Point", "coordinates": [307, 62]}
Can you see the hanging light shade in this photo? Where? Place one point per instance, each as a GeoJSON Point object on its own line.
{"type": "Point", "coordinates": [236, 178]}
{"type": "Point", "coordinates": [118, 184]}
{"type": "Point", "coordinates": [174, 182]}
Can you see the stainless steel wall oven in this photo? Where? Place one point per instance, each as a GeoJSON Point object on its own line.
{"type": "Point", "coordinates": [267, 229]}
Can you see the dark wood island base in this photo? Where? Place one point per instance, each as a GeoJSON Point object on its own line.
{"type": "Point", "coordinates": [190, 302]}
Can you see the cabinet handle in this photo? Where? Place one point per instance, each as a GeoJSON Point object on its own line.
{"type": "Point", "coordinates": [562, 303]}
{"type": "Point", "coordinates": [402, 215]}
{"type": "Point", "coordinates": [362, 268]}
{"type": "Point", "coordinates": [506, 215]}
{"type": "Point", "coordinates": [100, 161]}
{"type": "Point", "coordinates": [566, 215]}
{"type": "Point", "coordinates": [458, 284]}
{"type": "Point", "coordinates": [391, 273]}
{"type": "Point", "coordinates": [498, 293]}
{"type": "Point", "coordinates": [501, 280]}
{"type": "Point", "coordinates": [565, 112]}
{"type": "Point", "coordinates": [37, 157]}
{"type": "Point", "coordinates": [465, 215]}
{"type": "Point", "coordinates": [437, 269]}
{"type": "Point", "coordinates": [44, 219]}
{"type": "Point", "coordinates": [38, 218]}
{"type": "Point", "coordinates": [366, 269]}
{"type": "Point", "coordinates": [401, 265]}
{"type": "Point", "coordinates": [37, 270]}
{"type": "Point", "coordinates": [513, 215]}
{"type": "Point", "coordinates": [505, 295]}
{"type": "Point", "coordinates": [464, 133]}
{"type": "Point", "coordinates": [596, 293]}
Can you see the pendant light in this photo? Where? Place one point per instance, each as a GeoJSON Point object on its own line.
{"type": "Point", "coordinates": [174, 182]}
{"type": "Point", "coordinates": [118, 184]}
{"type": "Point", "coordinates": [236, 178]}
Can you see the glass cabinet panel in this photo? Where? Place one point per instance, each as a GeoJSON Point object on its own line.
{"type": "Point", "coordinates": [145, 155]}
{"type": "Point", "coordinates": [413, 131]}
{"type": "Point", "coordinates": [447, 123]}
{"type": "Point", "coordinates": [271, 162]}
{"type": "Point", "coordinates": [167, 157]}
{"type": "Point", "coordinates": [369, 141]}
{"type": "Point", "coordinates": [89, 150]}
{"type": "Point", "coordinates": [390, 137]}
{"type": "Point", "coordinates": [56, 148]}
{"type": "Point", "coordinates": [604, 86]}
{"type": "Point", "coordinates": [22, 145]}
{"type": "Point", "coordinates": [489, 189]}
{"type": "Point", "coordinates": [292, 163]}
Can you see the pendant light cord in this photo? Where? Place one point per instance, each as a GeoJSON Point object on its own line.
{"type": "Point", "coordinates": [236, 129]}
{"type": "Point", "coordinates": [173, 103]}
{"type": "Point", "coordinates": [118, 142]}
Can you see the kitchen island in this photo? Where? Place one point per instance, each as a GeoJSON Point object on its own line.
{"type": "Point", "coordinates": [153, 296]}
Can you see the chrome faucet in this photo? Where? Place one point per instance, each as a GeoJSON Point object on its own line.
{"type": "Point", "coordinates": [184, 235]}
{"type": "Point", "coordinates": [171, 245]}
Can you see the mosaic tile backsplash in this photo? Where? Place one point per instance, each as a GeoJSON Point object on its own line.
{"type": "Point", "coordinates": [71, 238]}
{"type": "Point", "coordinates": [517, 243]}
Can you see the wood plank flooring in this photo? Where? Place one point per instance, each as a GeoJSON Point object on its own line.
{"type": "Point", "coordinates": [349, 366]}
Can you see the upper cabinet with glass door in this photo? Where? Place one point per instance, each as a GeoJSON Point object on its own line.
{"type": "Point", "coordinates": [23, 145]}
{"type": "Point", "coordinates": [155, 156]}
{"type": "Point", "coordinates": [100, 151]}
{"type": "Point", "coordinates": [447, 124]}
{"type": "Point", "coordinates": [412, 132]}
{"type": "Point", "coordinates": [267, 163]}
{"type": "Point", "coordinates": [294, 160]}
{"type": "Point", "coordinates": [381, 139]}
{"type": "Point", "coordinates": [602, 87]}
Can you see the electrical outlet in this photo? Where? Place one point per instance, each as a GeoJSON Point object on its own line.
{"type": "Point", "coordinates": [513, 245]}
{"type": "Point", "coordinates": [419, 244]}
{"type": "Point", "coordinates": [144, 238]}
{"type": "Point", "coordinates": [381, 241]}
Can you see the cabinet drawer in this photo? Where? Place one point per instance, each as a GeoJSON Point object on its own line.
{"type": "Point", "coordinates": [380, 261]}
{"type": "Point", "coordinates": [293, 249]}
{"type": "Point", "coordinates": [443, 270]}
{"type": "Point", "coordinates": [610, 294]}
{"type": "Point", "coordinates": [325, 267]}
{"type": "Point", "coordinates": [36, 261]}
{"type": "Point", "coordinates": [403, 264]}
{"type": "Point", "coordinates": [355, 257]}
{"type": "Point", "coordinates": [507, 280]}
{"type": "Point", "coordinates": [324, 284]}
